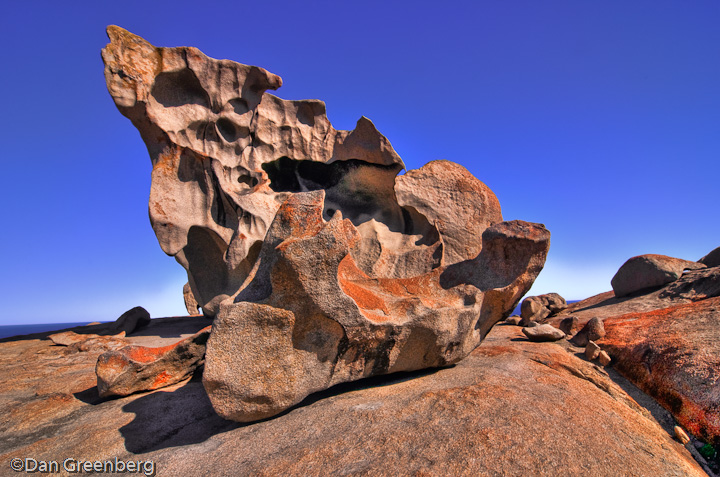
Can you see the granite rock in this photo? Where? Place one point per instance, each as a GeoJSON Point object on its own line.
{"type": "Point", "coordinates": [649, 271]}
{"type": "Point", "coordinates": [141, 368]}
{"type": "Point", "coordinates": [319, 263]}
{"type": "Point", "coordinates": [543, 332]}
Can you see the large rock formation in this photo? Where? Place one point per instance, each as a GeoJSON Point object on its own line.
{"type": "Point", "coordinates": [321, 265]}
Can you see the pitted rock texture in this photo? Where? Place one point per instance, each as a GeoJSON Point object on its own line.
{"type": "Point", "coordinates": [649, 271]}
{"type": "Point", "coordinates": [311, 318]}
{"type": "Point", "coordinates": [216, 141]}
{"type": "Point", "coordinates": [321, 264]}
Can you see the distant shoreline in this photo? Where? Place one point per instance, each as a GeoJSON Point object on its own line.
{"type": "Point", "coordinates": [7, 331]}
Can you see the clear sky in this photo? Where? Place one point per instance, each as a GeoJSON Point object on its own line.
{"type": "Point", "coordinates": [599, 119]}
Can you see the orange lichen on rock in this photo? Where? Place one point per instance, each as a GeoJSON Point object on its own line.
{"type": "Point", "coordinates": [140, 368]}
{"type": "Point", "coordinates": [673, 354]}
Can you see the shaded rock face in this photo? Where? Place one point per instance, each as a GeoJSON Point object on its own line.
{"type": "Point", "coordinates": [321, 265]}
{"type": "Point", "coordinates": [712, 259]}
{"type": "Point", "coordinates": [649, 271]}
{"type": "Point", "coordinates": [131, 320]}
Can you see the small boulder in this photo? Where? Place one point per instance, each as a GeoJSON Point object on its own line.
{"type": "Point", "coordinates": [139, 368]}
{"type": "Point", "coordinates": [592, 350]}
{"type": "Point", "coordinates": [592, 331]}
{"type": "Point", "coordinates": [569, 325]}
{"type": "Point", "coordinates": [543, 333]}
{"type": "Point", "coordinates": [131, 320]}
{"type": "Point", "coordinates": [604, 358]}
{"type": "Point", "coordinates": [537, 308]}
{"type": "Point", "coordinates": [712, 259]}
{"type": "Point", "coordinates": [649, 271]}
{"type": "Point", "coordinates": [513, 320]}
{"type": "Point", "coordinates": [532, 310]}
{"type": "Point", "coordinates": [191, 304]}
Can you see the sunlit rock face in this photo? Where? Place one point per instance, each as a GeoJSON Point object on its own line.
{"type": "Point", "coordinates": [320, 263]}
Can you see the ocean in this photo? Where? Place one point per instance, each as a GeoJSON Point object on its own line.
{"type": "Point", "coordinates": [15, 330]}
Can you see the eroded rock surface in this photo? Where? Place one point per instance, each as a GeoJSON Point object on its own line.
{"type": "Point", "coordinates": [191, 304]}
{"type": "Point", "coordinates": [321, 264]}
{"type": "Point", "coordinates": [311, 318]}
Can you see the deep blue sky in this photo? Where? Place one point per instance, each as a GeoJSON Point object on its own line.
{"type": "Point", "coordinates": [599, 119]}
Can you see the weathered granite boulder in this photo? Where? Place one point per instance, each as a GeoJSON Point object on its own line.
{"type": "Point", "coordinates": [311, 318]}
{"type": "Point", "coordinates": [569, 325]}
{"type": "Point", "coordinates": [649, 271]}
{"type": "Point", "coordinates": [321, 264]}
{"type": "Point", "coordinates": [592, 331]}
{"type": "Point", "coordinates": [542, 333]}
{"type": "Point", "coordinates": [537, 308]}
{"type": "Point", "coordinates": [141, 368]}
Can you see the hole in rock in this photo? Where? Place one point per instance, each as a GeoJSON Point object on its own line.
{"type": "Point", "coordinates": [239, 105]}
{"type": "Point", "coordinates": [172, 89]}
{"type": "Point", "coordinates": [396, 240]}
{"type": "Point", "coordinates": [249, 180]}
{"type": "Point", "coordinates": [227, 129]}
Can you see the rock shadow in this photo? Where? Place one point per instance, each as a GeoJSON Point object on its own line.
{"type": "Point", "coordinates": [175, 418]}
{"type": "Point", "coordinates": [185, 416]}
